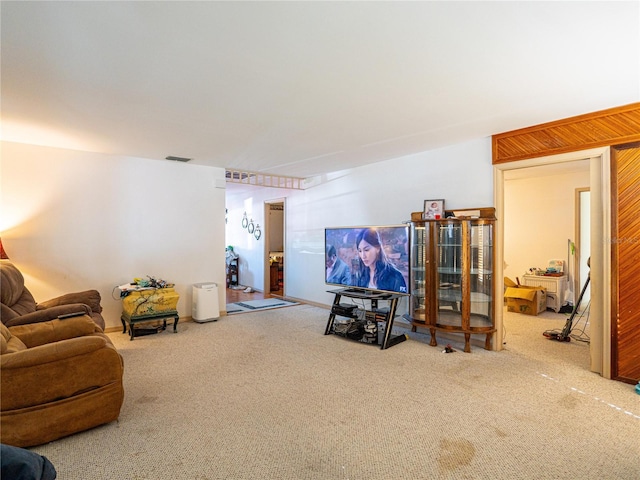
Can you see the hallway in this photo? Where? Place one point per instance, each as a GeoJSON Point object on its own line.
{"type": "Point", "coordinates": [239, 295]}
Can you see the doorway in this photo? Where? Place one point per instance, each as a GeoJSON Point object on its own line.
{"type": "Point", "coordinates": [600, 270]}
{"type": "Point", "coordinates": [540, 217]}
{"type": "Point", "coordinates": [274, 268]}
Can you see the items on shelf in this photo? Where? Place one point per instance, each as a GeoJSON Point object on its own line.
{"type": "Point", "coordinates": [150, 283]}
{"type": "Point", "coordinates": [554, 269]}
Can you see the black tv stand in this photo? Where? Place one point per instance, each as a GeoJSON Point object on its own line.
{"type": "Point", "coordinates": [376, 314]}
{"type": "Point", "coordinates": [357, 291]}
{"type": "Point", "coordinates": [362, 293]}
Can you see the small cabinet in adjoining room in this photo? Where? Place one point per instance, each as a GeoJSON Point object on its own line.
{"type": "Point", "coordinates": [452, 274]}
{"type": "Point", "coordinates": [276, 271]}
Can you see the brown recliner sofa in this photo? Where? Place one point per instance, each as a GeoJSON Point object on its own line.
{"type": "Point", "coordinates": [20, 308]}
{"type": "Point", "coordinates": [57, 378]}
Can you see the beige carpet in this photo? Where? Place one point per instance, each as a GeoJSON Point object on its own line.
{"type": "Point", "coordinates": [266, 395]}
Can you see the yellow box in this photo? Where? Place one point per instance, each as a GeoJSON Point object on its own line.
{"type": "Point", "coordinates": [150, 302]}
{"type": "Point", "coordinates": [527, 300]}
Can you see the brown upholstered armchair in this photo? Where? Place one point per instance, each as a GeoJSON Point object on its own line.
{"type": "Point", "coordinates": [20, 308]}
{"type": "Point", "coordinates": [57, 378]}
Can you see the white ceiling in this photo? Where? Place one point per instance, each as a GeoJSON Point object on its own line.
{"type": "Point", "coordinates": [305, 88]}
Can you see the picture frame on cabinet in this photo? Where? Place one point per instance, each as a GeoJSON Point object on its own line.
{"type": "Point", "coordinates": [433, 209]}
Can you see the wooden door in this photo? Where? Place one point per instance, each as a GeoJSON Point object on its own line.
{"type": "Point", "coordinates": [625, 288]}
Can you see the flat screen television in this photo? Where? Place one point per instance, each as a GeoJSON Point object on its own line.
{"type": "Point", "coordinates": [368, 259]}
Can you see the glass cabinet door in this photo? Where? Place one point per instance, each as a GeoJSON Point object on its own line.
{"type": "Point", "coordinates": [452, 282]}
{"type": "Point", "coordinates": [419, 261]}
{"type": "Point", "coordinates": [481, 274]}
{"type": "Point", "coordinates": [449, 273]}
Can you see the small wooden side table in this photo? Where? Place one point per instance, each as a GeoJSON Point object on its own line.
{"type": "Point", "coordinates": [148, 304]}
{"type": "Point", "coordinates": [132, 320]}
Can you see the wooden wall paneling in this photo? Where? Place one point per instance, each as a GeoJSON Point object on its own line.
{"type": "Point", "coordinates": [613, 126]}
{"type": "Point", "coordinates": [625, 174]}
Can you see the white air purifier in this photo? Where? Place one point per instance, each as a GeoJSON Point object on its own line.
{"type": "Point", "coordinates": [205, 305]}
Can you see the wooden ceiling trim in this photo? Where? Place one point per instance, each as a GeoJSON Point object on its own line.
{"type": "Point", "coordinates": [613, 126]}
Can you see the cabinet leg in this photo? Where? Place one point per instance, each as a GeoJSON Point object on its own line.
{"type": "Point", "coordinates": [467, 339]}
{"type": "Point", "coordinates": [487, 342]}
{"type": "Point", "coordinates": [433, 342]}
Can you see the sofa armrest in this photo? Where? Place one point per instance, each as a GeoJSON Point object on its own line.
{"type": "Point", "coordinates": [60, 370]}
{"type": "Point", "coordinates": [88, 297]}
{"type": "Point", "coordinates": [48, 314]}
{"type": "Point", "coordinates": [51, 352]}
{"type": "Point", "coordinates": [35, 334]}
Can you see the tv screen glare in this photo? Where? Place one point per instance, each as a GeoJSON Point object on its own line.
{"type": "Point", "coordinates": [368, 258]}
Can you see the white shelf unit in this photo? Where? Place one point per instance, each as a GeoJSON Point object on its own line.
{"type": "Point", "coordinates": [556, 288]}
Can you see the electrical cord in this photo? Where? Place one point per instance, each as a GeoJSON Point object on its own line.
{"type": "Point", "coordinates": [113, 294]}
{"type": "Point", "coordinates": [504, 334]}
{"type": "Point", "coordinates": [582, 336]}
{"type": "Point", "coordinates": [557, 334]}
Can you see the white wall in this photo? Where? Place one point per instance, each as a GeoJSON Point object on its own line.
{"type": "Point", "coordinates": [380, 194]}
{"type": "Point", "coordinates": [540, 220]}
{"type": "Point", "coordinates": [75, 220]}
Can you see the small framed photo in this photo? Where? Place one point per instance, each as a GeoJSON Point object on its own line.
{"type": "Point", "coordinates": [433, 209]}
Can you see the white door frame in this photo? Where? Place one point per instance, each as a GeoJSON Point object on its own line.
{"type": "Point", "coordinates": [600, 184]}
{"type": "Point", "coordinates": [581, 259]}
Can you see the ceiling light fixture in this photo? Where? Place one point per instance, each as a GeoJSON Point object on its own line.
{"type": "Point", "coordinates": [178, 159]}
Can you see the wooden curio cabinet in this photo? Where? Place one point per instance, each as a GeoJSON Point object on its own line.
{"type": "Point", "coordinates": [451, 276]}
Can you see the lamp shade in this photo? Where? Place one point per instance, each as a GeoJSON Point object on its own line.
{"type": "Point", "coordinates": [3, 254]}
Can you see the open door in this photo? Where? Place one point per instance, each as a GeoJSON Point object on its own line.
{"type": "Point", "coordinates": [625, 243]}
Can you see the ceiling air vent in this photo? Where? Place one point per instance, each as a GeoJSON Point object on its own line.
{"type": "Point", "coordinates": [178, 159]}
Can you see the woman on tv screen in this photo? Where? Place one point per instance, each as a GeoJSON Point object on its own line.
{"type": "Point", "coordinates": [377, 272]}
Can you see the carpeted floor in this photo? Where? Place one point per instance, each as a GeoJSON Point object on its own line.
{"type": "Point", "coordinates": [266, 395]}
